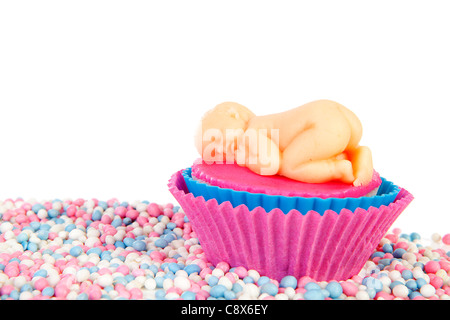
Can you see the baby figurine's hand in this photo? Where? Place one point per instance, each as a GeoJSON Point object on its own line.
{"type": "Point", "coordinates": [258, 152]}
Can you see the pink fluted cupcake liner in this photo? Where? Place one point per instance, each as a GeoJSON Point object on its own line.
{"type": "Point", "coordinates": [332, 246]}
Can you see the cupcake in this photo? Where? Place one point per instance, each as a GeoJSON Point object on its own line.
{"type": "Point", "coordinates": [292, 193]}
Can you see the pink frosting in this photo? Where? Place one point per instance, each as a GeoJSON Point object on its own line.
{"type": "Point", "coordinates": [233, 176]}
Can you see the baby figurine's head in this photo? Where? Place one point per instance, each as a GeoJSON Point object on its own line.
{"type": "Point", "coordinates": [217, 135]}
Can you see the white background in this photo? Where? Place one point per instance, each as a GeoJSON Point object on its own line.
{"type": "Point", "coordinates": [101, 98]}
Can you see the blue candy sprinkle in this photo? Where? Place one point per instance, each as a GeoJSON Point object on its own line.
{"type": "Point", "coordinates": [288, 281]}
{"type": "Point", "coordinates": [117, 222]}
{"type": "Point", "coordinates": [217, 291]}
{"type": "Point", "coordinates": [335, 289]}
{"type": "Point", "coordinates": [76, 251]}
{"type": "Point", "coordinates": [160, 294]}
{"type": "Point", "coordinates": [161, 243]}
{"type": "Point", "coordinates": [407, 274]}
{"type": "Point", "coordinates": [32, 246]}
{"type": "Point", "coordinates": [248, 279]}
{"type": "Point", "coordinates": [35, 225]}
{"type": "Point", "coordinates": [52, 213]}
{"type": "Point", "coordinates": [229, 295]}
{"type": "Point", "coordinates": [26, 287]}
{"type": "Point", "coordinates": [421, 282]}
{"type": "Point", "coordinates": [14, 295]}
{"type": "Point", "coordinates": [174, 267]}
{"type": "Point", "coordinates": [188, 295]}
{"type": "Point", "coordinates": [373, 283]}
{"type": "Point", "coordinates": [269, 288]}
{"type": "Point", "coordinates": [48, 291]}
{"type": "Point", "coordinates": [103, 205]}
{"type": "Point", "coordinates": [212, 281]}
{"type": "Point", "coordinates": [414, 294]}
{"type": "Point", "coordinates": [263, 280]}
{"type": "Point", "coordinates": [171, 226]}
{"type": "Point", "coordinates": [70, 227]}
{"type": "Point", "coordinates": [36, 207]}
{"type": "Point", "coordinates": [139, 245]}
{"type": "Point", "coordinates": [119, 244]}
{"type": "Point", "coordinates": [314, 294]}
{"type": "Point", "coordinates": [96, 251]}
{"type": "Point", "coordinates": [128, 241]}
{"type": "Point", "coordinates": [312, 286]}
{"type": "Point", "coordinates": [159, 281]}
{"type": "Point", "coordinates": [414, 236]}
{"type": "Point", "coordinates": [21, 237]}
{"type": "Point", "coordinates": [40, 273]}
{"type": "Point", "coordinates": [192, 268]}
{"type": "Point", "coordinates": [96, 215]}
{"type": "Point", "coordinates": [398, 253]}
{"type": "Point", "coordinates": [83, 296]}
{"type": "Point", "coordinates": [387, 248]}
{"type": "Point", "coordinates": [42, 234]}
{"type": "Point", "coordinates": [236, 287]}
{"type": "Point", "coordinates": [411, 284]}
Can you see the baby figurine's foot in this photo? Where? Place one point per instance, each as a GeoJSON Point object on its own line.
{"type": "Point", "coordinates": [344, 171]}
{"type": "Point", "coordinates": [361, 158]}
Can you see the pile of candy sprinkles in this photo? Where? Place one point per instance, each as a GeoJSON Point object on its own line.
{"type": "Point", "coordinates": [90, 249]}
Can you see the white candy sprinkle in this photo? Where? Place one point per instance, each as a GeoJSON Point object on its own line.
{"type": "Point", "coordinates": [182, 282]}
{"type": "Point", "coordinates": [253, 274]}
{"type": "Point", "coordinates": [105, 280]}
{"type": "Point", "coordinates": [427, 290]}
{"type": "Point", "coordinates": [82, 275]}
{"type": "Point", "coordinates": [281, 296]}
{"type": "Point", "coordinates": [6, 226]}
{"type": "Point", "coordinates": [251, 289]}
{"type": "Point", "coordinates": [167, 283]}
{"type": "Point", "coordinates": [226, 283]}
{"type": "Point", "coordinates": [150, 284]}
{"type": "Point", "coordinates": [400, 291]}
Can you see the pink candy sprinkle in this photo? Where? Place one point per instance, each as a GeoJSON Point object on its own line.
{"type": "Point", "coordinates": [40, 284]}
{"type": "Point", "coordinates": [221, 265]}
{"type": "Point", "coordinates": [153, 210]}
{"type": "Point", "coordinates": [94, 292]}
{"type": "Point", "coordinates": [303, 281]}
{"type": "Point", "coordinates": [6, 289]}
{"type": "Point", "coordinates": [241, 272]}
{"type": "Point", "coordinates": [132, 214]}
{"type": "Point", "coordinates": [136, 293]}
{"type": "Point", "coordinates": [446, 239]}
{"type": "Point", "coordinates": [349, 288]}
{"type": "Point", "coordinates": [437, 282]}
{"type": "Point", "coordinates": [120, 211]}
{"type": "Point", "coordinates": [123, 269]}
{"type": "Point", "coordinates": [432, 266]}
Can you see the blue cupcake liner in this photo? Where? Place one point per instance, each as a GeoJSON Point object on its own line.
{"type": "Point", "coordinates": [386, 194]}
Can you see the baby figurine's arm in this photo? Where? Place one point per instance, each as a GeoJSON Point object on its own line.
{"type": "Point", "coordinates": [258, 152]}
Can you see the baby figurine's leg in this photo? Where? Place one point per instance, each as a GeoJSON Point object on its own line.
{"type": "Point", "coordinates": [314, 155]}
{"type": "Point", "coordinates": [322, 171]}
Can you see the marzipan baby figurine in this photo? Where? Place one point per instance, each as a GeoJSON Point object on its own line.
{"type": "Point", "coordinates": [314, 143]}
